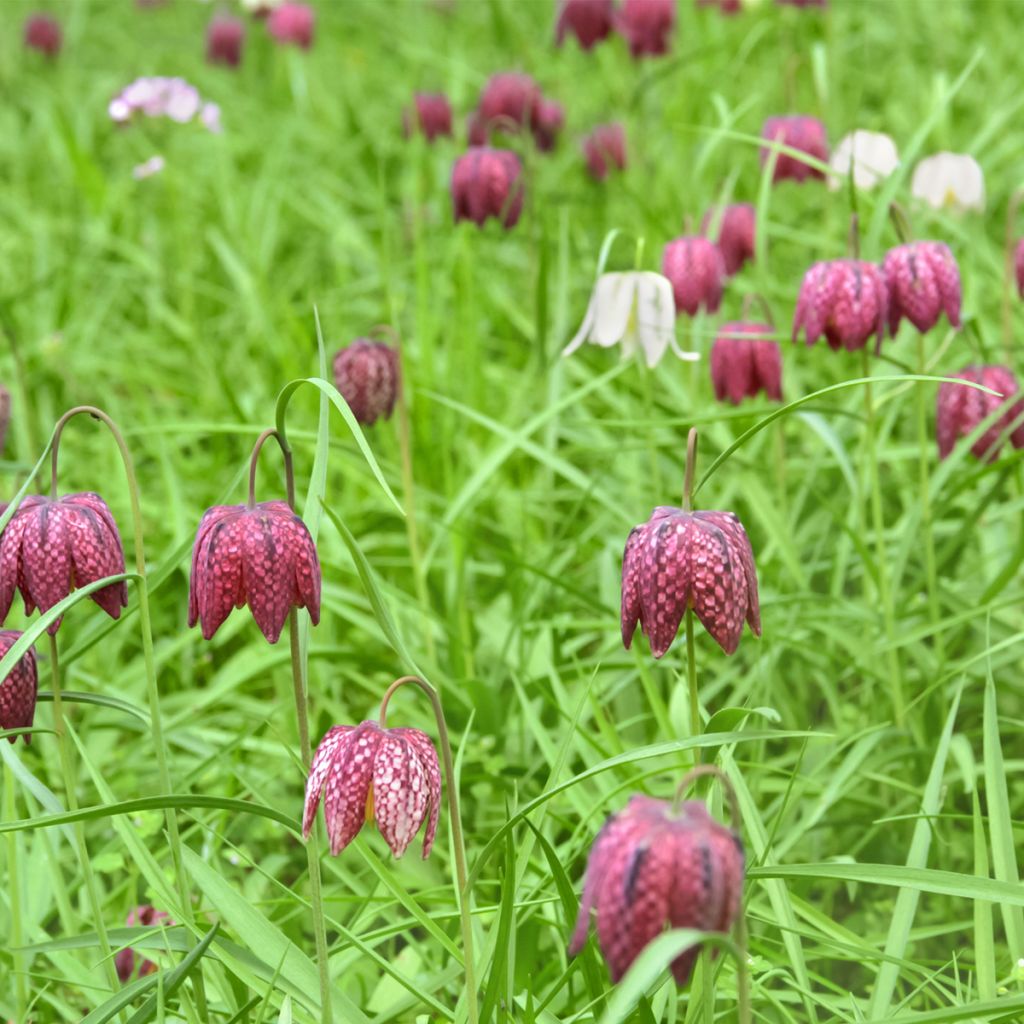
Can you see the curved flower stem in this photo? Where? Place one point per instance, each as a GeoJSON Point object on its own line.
{"type": "Point", "coordinates": [1009, 273]}
{"type": "Point", "coordinates": [458, 843]}
{"type": "Point", "coordinates": [691, 660]}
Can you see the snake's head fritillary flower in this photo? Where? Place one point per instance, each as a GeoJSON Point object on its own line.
{"type": "Point", "coordinates": [52, 546]}
{"type": "Point", "coordinates": [806, 134]}
{"type": "Point", "coordinates": [476, 130]}
{"type": "Point", "coordinates": [550, 121]}
{"type": "Point", "coordinates": [871, 155]}
{"type": "Point", "coordinates": [18, 691]}
{"type": "Point", "coordinates": [696, 269]}
{"type": "Point", "coordinates": [509, 101]}
{"type": "Point", "coordinates": [653, 867]}
{"type": "Point", "coordinates": [1018, 266]}
{"type": "Point", "coordinates": [953, 180]}
{"type": "Point", "coordinates": [605, 148]}
{"type": "Point", "coordinates": [679, 560]}
{"type": "Point", "coordinates": [646, 25]}
{"type": "Point", "coordinates": [431, 114]}
{"type": "Point", "coordinates": [43, 33]}
{"type": "Point", "coordinates": [366, 770]}
{"type": "Point", "coordinates": [141, 917]}
{"type": "Point", "coordinates": [589, 21]}
{"type": "Point", "coordinates": [262, 556]}
{"type": "Point", "coordinates": [845, 300]}
{"type": "Point", "coordinates": [744, 361]}
{"type": "Point", "coordinates": [224, 39]}
{"type": "Point", "coordinates": [291, 23]}
{"type": "Point", "coordinates": [5, 415]}
{"type": "Point", "coordinates": [924, 282]}
{"type": "Point", "coordinates": [736, 233]}
{"type": "Point", "coordinates": [959, 410]}
{"type": "Point", "coordinates": [366, 373]}
{"type": "Point", "coordinates": [488, 182]}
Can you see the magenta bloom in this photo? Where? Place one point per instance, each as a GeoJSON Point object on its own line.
{"type": "Point", "coordinates": [1018, 265]}
{"type": "Point", "coordinates": [50, 547]}
{"type": "Point", "coordinates": [262, 556]}
{"type": "Point", "coordinates": [646, 25]}
{"type": "Point", "coordinates": [144, 917]}
{"type": "Point", "coordinates": [510, 101]}
{"type": "Point", "coordinates": [846, 300]}
{"type": "Point", "coordinates": [476, 130]}
{"type": "Point", "coordinates": [806, 134]}
{"type": "Point", "coordinates": [605, 148]}
{"type": "Point", "coordinates": [366, 769]}
{"type": "Point", "coordinates": [735, 234]}
{"type": "Point", "coordinates": [431, 114]}
{"type": "Point", "coordinates": [589, 21]}
{"type": "Point", "coordinates": [744, 361]}
{"type": "Point", "coordinates": [292, 23]}
{"type": "Point", "coordinates": [224, 39]}
{"type": "Point", "coordinates": [43, 33]}
{"type": "Point", "coordinates": [550, 120]}
{"type": "Point", "coordinates": [923, 282]}
{"type": "Point", "coordinates": [366, 374]}
{"type": "Point", "coordinates": [18, 691]}
{"type": "Point", "coordinates": [486, 183]}
{"type": "Point", "coordinates": [697, 272]}
{"type": "Point", "coordinates": [959, 410]}
{"type": "Point", "coordinates": [653, 867]}
{"type": "Point", "coordinates": [679, 560]}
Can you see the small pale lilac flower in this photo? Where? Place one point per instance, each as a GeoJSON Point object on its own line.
{"type": "Point", "coordinates": [924, 282]}
{"type": "Point", "coordinates": [291, 23]}
{"type": "Point", "coordinates": [172, 98]}
{"type": "Point", "coordinates": [18, 691]}
{"type": "Point", "coordinates": [646, 25]}
{"type": "Point", "coordinates": [154, 165]}
{"type": "Point", "coordinates": [744, 361]}
{"type": "Point", "coordinates": [806, 134]}
{"type": "Point", "coordinates": [43, 33]}
{"type": "Point", "coordinates": [960, 410]}
{"type": "Point", "coordinates": [736, 230]}
{"type": "Point", "coordinates": [696, 269]}
{"type": "Point", "coordinates": [589, 21]}
{"type": "Point", "coordinates": [145, 917]}
{"type": "Point", "coordinates": [847, 301]}
{"type": "Point", "coordinates": [488, 182]}
{"type": "Point", "coordinates": [604, 149]}
{"type": "Point", "coordinates": [209, 114]}
{"type": "Point", "coordinates": [366, 373]}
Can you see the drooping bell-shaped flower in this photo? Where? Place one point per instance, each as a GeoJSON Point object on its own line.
{"type": "Point", "coordinates": [960, 410]}
{"type": "Point", "coordinates": [261, 555]}
{"type": "Point", "coordinates": [605, 148]}
{"type": "Point", "coordinates": [431, 114]}
{"type": "Point", "coordinates": [224, 39]}
{"type": "Point", "coordinates": [745, 360]}
{"type": "Point", "coordinates": [52, 546]}
{"type": "Point", "coordinates": [19, 689]}
{"type": "Point", "coordinates": [488, 182]}
{"type": "Point", "coordinates": [646, 25]}
{"type": "Point", "coordinates": [872, 155]}
{"type": "Point", "coordinates": [589, 21]}
{"type": "Point", "coordinates": [292, 24]}
{"type": "Point", "coordinates": [696, 269]}
{"type": "Point", "coordinates": [43, 33]}
{"type": "Point", "coordinates": [144, 916]}
{"type": "Point", "coordinates": [366, 373]}
{"type": "Point", "coordinates": [953, 180]}
{"type": "Point", "coordinates": [737, 226]}
{"type": "Point", "coordinates": [845, 300]}
{"type": "Point", "coordinates": [653, 867]}
{"type": "Point", "coordinates": [1018, 267]}
{"type": "Point", "coordinates": [509, 101]}
{"type": "Point", "coordinates": [549, 123]}
{"type": "Point", "coordinates": [923, 281]}
{"type": "Point", "coordinates": [679, 560]}
{"type": "Point", "coordinates": [367, 770]}
{"type": "Point", "coordinates": [806, 134]}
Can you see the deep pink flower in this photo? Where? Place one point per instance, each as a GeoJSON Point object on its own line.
{"type": "Point", "coordinates": [50, 547]}
{"type": "Point", "coordinates": [679, 560]}
{"type": "Point", "coordinates": [646, 25]}
{"type": "Point", "coordinates": [652, 867]}
{"type": "Point", "coordinates": [509, 101]}
{"type": "Point", "coordinates": [696, 269]}
{"type": "Point", "coordinates": [366, 373]}
{"type": "Point", "coordinates": [959, 410]}
{"type": "Point", "coordinates": [292, 23]}
{"type": "Point", "coordinates": [141, 917]}
{"type": "Point", "coordinates": [431, 114]}
{"type": "Point", "coordinates": [224, 39]}
{"type": "Point", "coordinates": [18, 690]}
{"type": "Point", "coordinates": [806, 134]}
{"type": "Point", "coordinates": [736, 231]}
{"type": "Point", "coordinates": [1018, 264]}
{"type": "Point", "coordinates": [366, 769]}
{"type": "Point", "coordinates": [845, 300]}
{"type": "Point", "coordinates": [486, 183]}
{"type": "Point", "coordinates": [605, 148]}
{"type": "Point", "coordinates": [589, 21]}
{"type": "Point", "coordinates": [262, 556]}
{"type": "Point", "coordinates": [744, 361]}
{"type": "Point", "coordinates": [43, 33]}
{"type": "Point", "coordinates": [923, 282]}
{"type": "Point", "coordinates": [476, 130]}
{"type": "Point", "coordinates": [725, 6]}
{"type": "Point", "coordinates": [550, 120]}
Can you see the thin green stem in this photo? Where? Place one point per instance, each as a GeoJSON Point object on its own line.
{"type": "Point", "coordinates": [925, 448]}
{"type": "Point", "coordinates": [742, 969]}
{"type": "Point", "coordinates": [16, 935]}
{"type": "Point", "coordinates": [691, 676]}
{"type": "Point", "coordinates": [707, 984]}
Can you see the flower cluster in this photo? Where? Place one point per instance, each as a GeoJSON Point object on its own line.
{"type": "Point", "coordinates": [173, 98]}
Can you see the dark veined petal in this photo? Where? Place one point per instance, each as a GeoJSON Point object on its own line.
{"type": "Point", "coordinates": [94, 544]}
{"type": "Point", "coordinates": [665, 581]}
{"type": "Point", "coordinates": [718, 585]}
{"type": "Point", "coordinates": [729, 523]}
{"type": "Point", "coordinates": [46, 565]}
{"type": "Point", "coordinates": [217, 586]}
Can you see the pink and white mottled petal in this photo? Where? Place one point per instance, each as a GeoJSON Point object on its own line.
{"type": "Point", "coordinates": [947, 277]}
{"type": "Point", "coordinates": [730, 525]}
{"type": "Point", "coordinates": [718, 584]}
{"type": "Point", "coordinates": [400, 791]}
{"type": "Point", "coordinates": [665, 580]}
{"type": "Point", "coordinates": [219, 574]}
{"type": "Point", "coordinates": [95, 549]}
{"type": "Point", "coordinates": [767, 359]}
{"type": "Point", "coordinates": [425, 750]}
{"type": "Point", "coordinates": [10, 559]}
{"type": "Point", "coordinates": [46, 558]}
{"type": "Point", "coordinates": [323, 759]}
{"type": "Point", "coordinates": [630, 613]}
{"type": "Point", "coordinates": [347, 786]}
{"type": "Point", "coordinates": [266, 570]}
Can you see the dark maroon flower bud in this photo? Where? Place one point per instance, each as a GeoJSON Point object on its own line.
{"type": "Point", "coordinates": [292, 23]}
{"type": "Point", "coordinates": [653, 867]}
{"type": "Point", "coordinates": [550, 120]}
{"type": "Point", "coordinates": [431, 114]}
{"type": "Point", "coordinates": [846, 300]}
{"type": "Point", "coordinates": [589, 21]}
{"type": "Point", "coordinates": [43, 33]}
{"type": "Point", "coordinates": [476, 130]}
{"type": "Point", "coordinates": [696, 269]}
{"type": "Point", "coordinates": [646, 25]}
{"type": "Point", "coordinates": [224, 40]}
{"type": "Point", "coordinates": [262, 556]}
{"type": "Point", "coordinates": [806, 134]}
{"type": "Point", "coordinates": [923, 282]}
{"type": "Point", "coordinates": [679, 560]}
{"type": "Point", "coordinates": [367, 375]}
{"type": "Point", "coordinates": [605, 148]}
{"type": "Point", "coordinates": [141, 917]}
{"type": "Point", "coordinates": [5, 415]}
{"type": "Point", "coordinates": [1018, 265]}
{"type": "Point", "coordinates": [50, 547]}
{"type": "Point", "coordinates": [959, 410]}
{"type": "Point", "coordinates": [510, 101]}
{"type": "Point", "coordinates": [725, 6]}
{"type": "Point", "coordinates": [744, 361]}
{"type": "Point", "coordinates": [736, 231]}
{"type": "Point", "coordinates": [486, 183]}
{"type": "Point", "coordinates": [18, 691]}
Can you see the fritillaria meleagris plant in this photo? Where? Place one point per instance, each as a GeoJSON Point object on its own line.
{"type": "Point", "coordinates": [604, 150]}
{"type": "Point", "coordinates": [746, 359]}
{"type": "Point", "coordinates": [18, 690]}
{"type": "Point", "coordinates": [590, 21]}
{"type": "Point", "coordinates": [735, 233]}
{"type": "Point", "coordinates": [366, 373]}
{"type": "Point", "coordinates": [962, 410]}
{"type": "Point", "coordinates": [805, 135]}
{"type": "Point", "coordinates": [430, 115]}
{"type": "Point", "coordinates": [125, 962]}
{"type": "Point", "coordinates": [646, 25]}
{"type": "Point", "coordinates": [696, 269]}
{"type": "Point", "coordinates": [488, 182]}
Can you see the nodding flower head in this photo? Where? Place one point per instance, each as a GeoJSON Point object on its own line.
{"type": "Point", "coordinates": [949, 180]}
{"type": "Point", "coordinates": [486, 183]}
{"type": "Point", "coordinates": [960, 410]}
{"type": "Point", "coordinates": [845, 300]}
{"type": "Point", "coordinates": [697, 271]}
{"type": "Point", "coordinates": [605, 148]}
{"type": "Point", "coordinates": [679, 560]}
{"type": "Point", "coordinates": [646, 25]}
{"type": "Point", "coordinates": [262, 556]}
{"type": "Point", "coordinates": [291, 23]}
{"type": "Point", "coordinates": [510, 101]}
{"type": "Point", "coordinates": [52, 546]}
{"type": "Point", "coordinates": [366, 771]}
{"type": "Point", "coordinates": [550, 121]}
{"type": "Point", "coordinates": [744, 361]}
{"type": "Point", "coordinates": [144, 916]}
{"type": "Point", "coordinates": [736, 230]}
{"type": "Point", "coordinates": [224, 40]}
{"type": "Point", "coordinates": [653, 867]}
{"type": "Point", "coordinates": [431, 114]}
{"type": "Point", "coordinates": [1018, 266]}
{"type": "Point", "coordinates": [806, 134]}
{"type": "Point", "coordinates": [589, 21]}
{"type": "Point", "coordinates": [366, 373]}
{"type": "Point", "coordinates": [19, 689]}
{"type": "Point", "coordinates": [924, 282]}
{"type": "Point", "coordinates": [43, 33]}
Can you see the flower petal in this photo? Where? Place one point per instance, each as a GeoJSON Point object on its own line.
{"type": "Point", "coordinates": [400, 792]}
{"type": "Point", "coordinates": [323, 760]}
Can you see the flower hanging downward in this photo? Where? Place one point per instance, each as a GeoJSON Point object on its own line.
{"type": "Point", "coordinates": [144, 916]}
{"type": "Point", "coordinates": [845, 300]}
{"type": "Point", "coordinates": [43, 33]}
{"type": "Point", "coordinates": [806, 134]}
{"type": "Point", "coordinates": [871, 155]}
{"type": "Point", "coordinates": [292, 23]}
{"type": "Point", "coordinates": [486, 183]}
{"type": "Point", "coordinates": [960, 410]}
{"type": "Point", "coordinates": [366, 373]}
{"type": "Point", "coordinates": [697, 271]}
{"type": "Point", "coordinates": [604, 149]}
{"type": "Point", "coordinates": [431, 114]}
{"type": "Point", "coordinates": [224, 38]}
{"type": "Point", "coordinates": [646, 25]}
{"type": "Point", "coordinates": [923, 282]}
{"type": "Point", "coordinates": [736, 230]}
{"type": "Point", "coordinates": [953, 180]}
{"type": "Point", "coordinates": [589, 21]}
{"type": "Point", "coordinates": [18, 691]}
{"type": "Point", "coordinates": [745, 360]}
